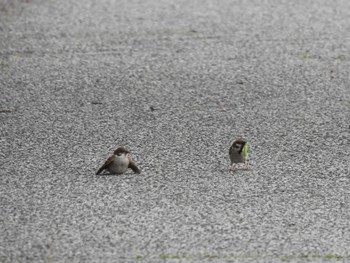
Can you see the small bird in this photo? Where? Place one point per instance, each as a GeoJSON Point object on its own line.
{"type": "Point", "coordinates": [119, 162]}
{"type": "Point", "coordinates": [238, 154]}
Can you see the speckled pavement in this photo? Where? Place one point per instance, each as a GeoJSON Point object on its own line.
{"type": "Point", "coordinates": [175, 82]}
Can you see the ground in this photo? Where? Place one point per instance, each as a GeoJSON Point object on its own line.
{"type": "Point", "coordinates": [175, 82]}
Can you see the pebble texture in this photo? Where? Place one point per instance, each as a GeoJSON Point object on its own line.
{"type": "Point", "coordinates": [175, 82]}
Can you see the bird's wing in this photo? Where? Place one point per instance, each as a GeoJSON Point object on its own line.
{"type": "Point", "coordinates": [231, 150]}
{"type": "Point", "coordinates": [106, 164]}
{"type": "Point", "coordinates": [133, 166]}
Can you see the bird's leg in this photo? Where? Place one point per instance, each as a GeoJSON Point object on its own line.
{"type": "Point", "coordinates": [247, 167]}
{"type": "Point", "coordinates": [232, 168]}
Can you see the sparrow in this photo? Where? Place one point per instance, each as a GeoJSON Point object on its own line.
{"type": "Point", "coordinates": [238, 154]}
{"type": "Point", "coordinates": [119, 162]}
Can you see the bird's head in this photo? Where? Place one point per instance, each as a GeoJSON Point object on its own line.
{"type": "Point", "coordinates": [238, 143]}
{"type": "Point", "coordinates": [120, 151]}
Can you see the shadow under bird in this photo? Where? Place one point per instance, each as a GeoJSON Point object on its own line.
{"type": "Point", "coordinates": [238, 154]}
{"type": "Point", "coordinates": [119, 163]}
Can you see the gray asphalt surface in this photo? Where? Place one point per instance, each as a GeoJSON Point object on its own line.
{"type": "Point", "coordinates": [79, 78]}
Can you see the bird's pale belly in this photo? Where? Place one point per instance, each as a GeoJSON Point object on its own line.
{"type": "Point", "coordinates": [119, 166]}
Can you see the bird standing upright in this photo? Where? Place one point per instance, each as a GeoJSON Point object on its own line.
{"type": "Point", "coordinates": [119, 162]}
{"type": "Point", "coordinates": [238, 154]}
